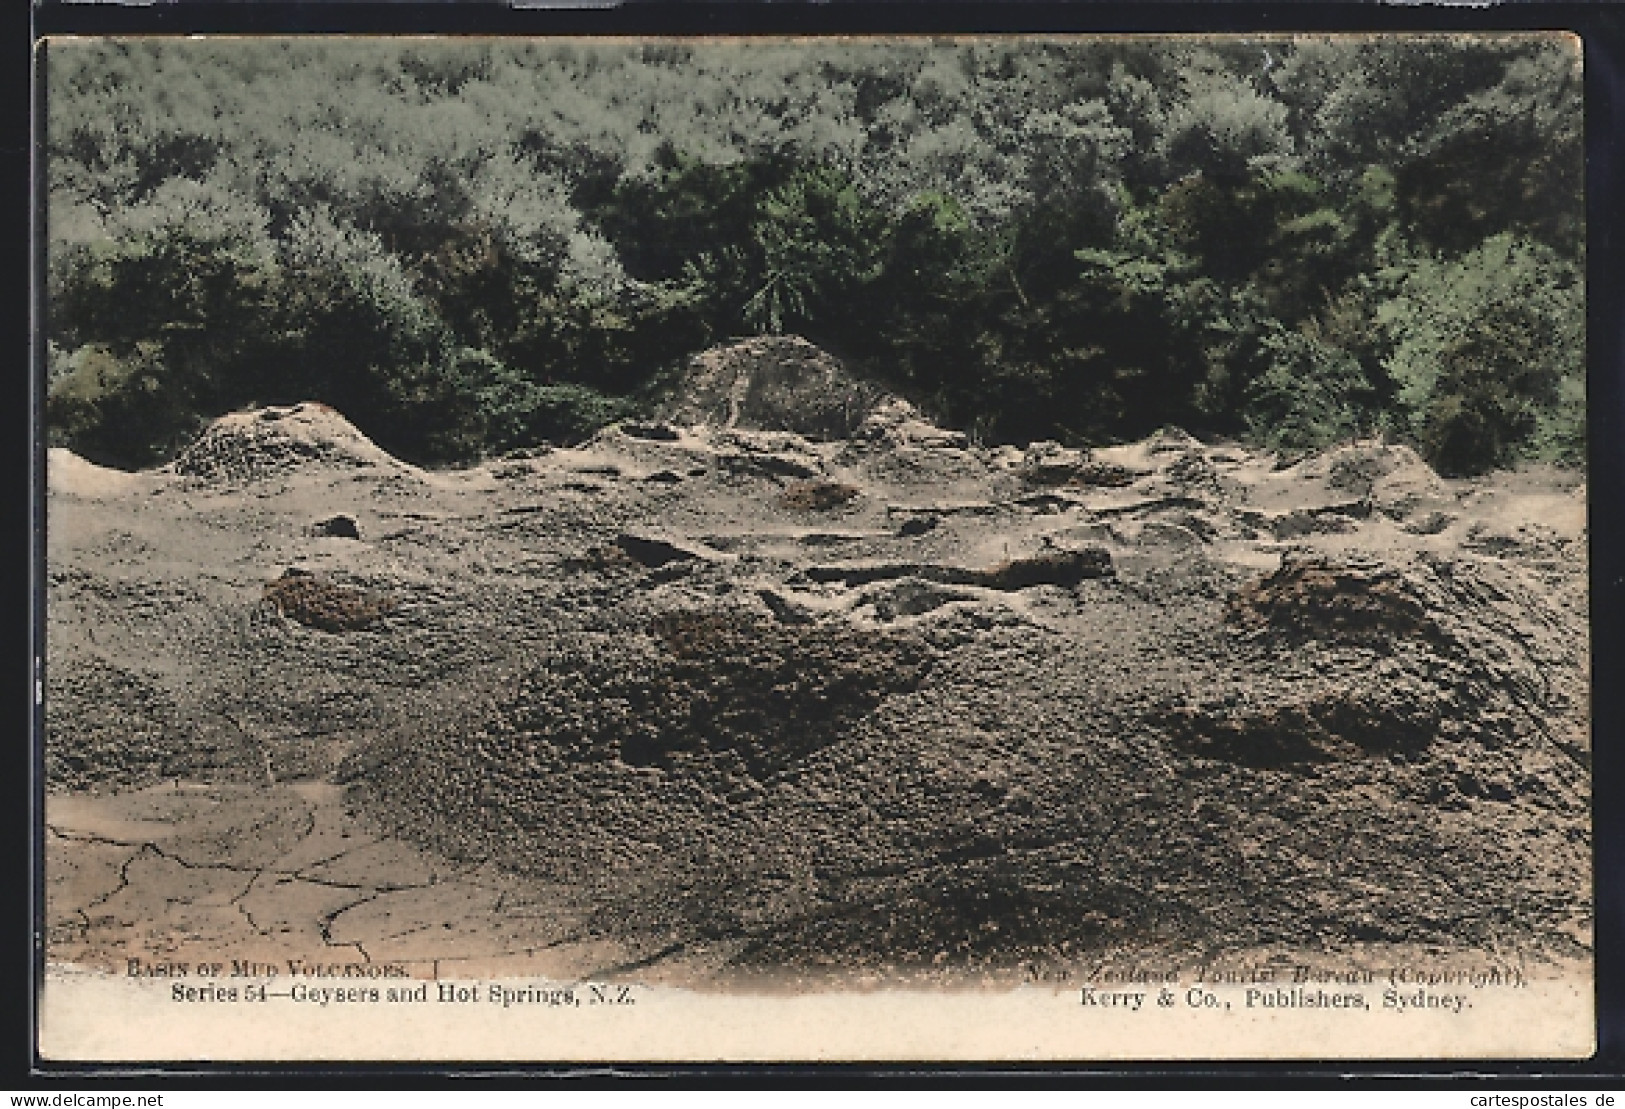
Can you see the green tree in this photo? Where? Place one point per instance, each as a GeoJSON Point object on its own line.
{"type": "Point", "coordinates": [1488, 349]}
{"type": "Point", "coordinates": [820, 245]}
{"type": "Point", "coordinates": [1308, 394]}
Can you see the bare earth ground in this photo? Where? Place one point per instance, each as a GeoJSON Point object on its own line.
{"type": "Point", "coordinates": [709, 703]}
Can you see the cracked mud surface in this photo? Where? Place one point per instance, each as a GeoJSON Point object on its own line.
{"type": "Point", "coordinates": [660, 705]}
{"type": "Point", "coordinates": [193, 872]}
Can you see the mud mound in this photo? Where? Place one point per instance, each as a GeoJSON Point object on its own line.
{"type": "Point", "coordinates": [244, 446]}
{"type": "Point", "coordinates": [895, 422]}
{"type": "Point", "coordinates": [773, 383]}
{"type": "Point", "coordinates": [1388, 476]}
{"type": "Point", "coordinates": [744, 693]}
{"type": "Point", "coordinates": [66, 472]}
{"type": "Point", "coordinates": [306, 599]}
{"type": "Point", "coordinates": [718, 700]}
{"type": "Point", "coordinates": [1319, 600]}
{"type": "Point", "coordinates": [108, 725]}
{"type": "Point", "coordinates": [730, 682]}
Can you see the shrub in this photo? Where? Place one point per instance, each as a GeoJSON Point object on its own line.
{"type": "Point", "coordinates": [1493, 383]}
{"type": "Point", "coordinates": [1308, 396]}
{"type": "Point", "coordinates": [517, 412]}
{"type": "Point", "coordinates": [1489, 355]}
{"type": "Point", "coordinates": [126, 411]}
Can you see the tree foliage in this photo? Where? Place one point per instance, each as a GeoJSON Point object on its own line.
{"type": "Point", "coordinates": [467, 247]}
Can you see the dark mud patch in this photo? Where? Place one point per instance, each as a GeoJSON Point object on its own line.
{"type": "Point", "coordinates": [817, 496]}
{"type": "Point", "coordinates": [1055, 567]}
{"type": "Point", "coordinates": [326, 606]}
{"type": "Point", "coordinates": [1080, 475]}
{"type": "Point", "coordinates": [1064, 568]}
{"type": "Point", "coordinates": [1349, 724]}
{"type": "Point", "coordinates": [652, 552]}
{"type": "Point", "coordinates": [1343, 604]}
{"type": "Point", "coordinates": [336, 527]}
{"type": "Point", "coordinates": [966, 914]}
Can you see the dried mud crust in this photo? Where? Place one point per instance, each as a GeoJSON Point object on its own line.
{"type": "Point", "coordinates": [957, 721]}
{"type": "Point", "coordinates": [281, 875]}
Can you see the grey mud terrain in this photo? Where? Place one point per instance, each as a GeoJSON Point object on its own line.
{"type": "Point", "coordinates": [795, 683]}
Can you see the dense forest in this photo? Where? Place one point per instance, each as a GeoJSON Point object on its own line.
{"type": "Point", "coordinates": [471, 246]}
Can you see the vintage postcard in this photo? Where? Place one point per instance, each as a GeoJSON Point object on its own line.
{"type": "Point", "coordinates": [995, 548]}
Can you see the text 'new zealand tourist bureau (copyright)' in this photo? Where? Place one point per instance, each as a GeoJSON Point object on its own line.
{"type": "Point", "coordinates": [1399, 989]}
